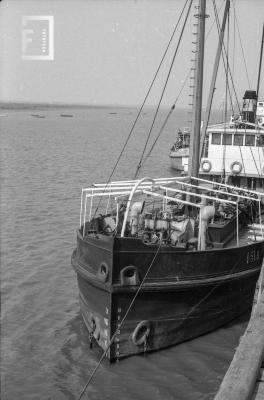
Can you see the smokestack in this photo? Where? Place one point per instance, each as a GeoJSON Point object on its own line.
{"type": "Point", "coordinates": [249, 106]}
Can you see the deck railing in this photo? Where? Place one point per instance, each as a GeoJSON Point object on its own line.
{"type": "Point", "coordinates": [153, 187]}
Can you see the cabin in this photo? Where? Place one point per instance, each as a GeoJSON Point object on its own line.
{"type": "Point", "coordinates": [236, 153]}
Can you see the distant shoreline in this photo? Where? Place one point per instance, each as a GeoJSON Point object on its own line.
{"type": "Point", "coordinates": [39, 106]}
{"type": "Point", "coordinates": [30, 106]}
{"type": "Point", "coordinates": [13, 106]}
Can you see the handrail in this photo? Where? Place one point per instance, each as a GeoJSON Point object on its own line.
{"type": "Point", "coordinates": [220, 191]}
{"type": "Point", "coordinates": [230, 186]}
{"type": "Point", "coordinates": [151, 187]}
{"type": "Point", "coordinates": [198, 205]}
{"type": "Point", "coordinates": [198, 195]}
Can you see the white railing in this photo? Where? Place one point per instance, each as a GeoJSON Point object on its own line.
{"type": "Point", "coordinates": [150, 187]}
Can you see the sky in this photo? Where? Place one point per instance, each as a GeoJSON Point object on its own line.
{"type": "Point", "coordinates": [106, 52]}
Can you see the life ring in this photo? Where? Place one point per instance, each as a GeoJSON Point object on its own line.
{"type": "Point", "coordinates": [206, 165]}
{"type": "Point", "coordinates": [236, 167]}
{"type": "Point", "coordinates": [141, 333]}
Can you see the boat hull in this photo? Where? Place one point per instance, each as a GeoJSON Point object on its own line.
{"type": "Point", "coordinates": [179, 159]}
{"type": "Point", "coordinates": [181, 298]}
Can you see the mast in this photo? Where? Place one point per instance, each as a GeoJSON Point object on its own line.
{"type": "Point", "coordinates": [212, 87]}
{"type": "Point", "coordinates": [260, 60]}
{"type": "Point", "coordinates": [194, 158]}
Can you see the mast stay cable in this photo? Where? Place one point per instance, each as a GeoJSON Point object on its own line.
{"type": "Point", "coordinates": [145, 99]}
{"type": "Point", "coordinates": [174, 104]}
{"type": "Point", "coordinates": [242, 49]}
{"type": "Point", "coordinates": [163, 91]}
{"type": "Point", "coordinates": [226, 94]}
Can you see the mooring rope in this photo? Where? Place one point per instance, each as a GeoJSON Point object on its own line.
{"type": "Point", "coordinates": [120, 324]}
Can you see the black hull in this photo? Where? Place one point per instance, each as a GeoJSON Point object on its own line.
{"type": "Point", "coordinates": [186, 293]}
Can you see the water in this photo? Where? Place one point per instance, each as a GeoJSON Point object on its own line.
{"type": "Point", "coordinates": [44, 344]}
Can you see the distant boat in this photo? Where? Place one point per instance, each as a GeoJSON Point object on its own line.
{"type": "Point", "coordinates": [38, 116]}
{"type": "Point", "coordinates": [113, 113]}
{"type": "Point", "coordinates": [66, 115]}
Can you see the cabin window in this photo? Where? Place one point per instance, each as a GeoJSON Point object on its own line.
{"type": "Point", "coordinates": [238, 140]}
{"type": "Point", "coordinates": [250, 140]}
{"type": "Point", "coordinates": [260, 141]}
{"type": "Point", "coordinates": [260, 104]}
{"type": "Point", "coordinates": [216, 138]}
{"type": "Point", "coordinates": [227, 139]}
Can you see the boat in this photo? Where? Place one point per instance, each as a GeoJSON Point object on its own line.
{"type": "Point", "coordinates": [232, 151]}
{"type": "Point", "coordinates": [38, 116]}
{"type": "Point", "coordinates": [66, 115]}
{"type": "Point", "coordinates": [179, 152]}
{"type": "Point", "coordinates": [163, 260]}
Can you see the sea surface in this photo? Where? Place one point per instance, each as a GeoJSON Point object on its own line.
{"type": "Point", "coordinates": [45, 352]}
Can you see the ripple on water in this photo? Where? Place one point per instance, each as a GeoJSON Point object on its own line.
{"type": "Point", "coordinates": [45, 349]}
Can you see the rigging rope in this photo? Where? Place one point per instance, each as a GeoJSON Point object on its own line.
{"type": "Point", "coordinates": [242, 159]}
{"type": "Point", "coordinates": [227, 67]}
{"type": "Point", "coordinates": [162, 94]}
{"type": "Point", "coordinates": [145, 99]}
{"type": "Point", "coordinates": [226, 91]}
{"type": "Point", "coordinates": [242, 49]}
{"type": "Point", "coordinates": [255, 162]}
{"type": "Point", "coordinates": [227, 70]}
{"type": "Point", "coordinates": [234, 51]}
{"type": "Point", "coordinates": [166, 120]}
{"type": "Point", "coordinates": [253, 156]}
{"type": "Point", "coordinates": [259, 160]}
{"type": "Point", "coordinates": [177, 98]}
